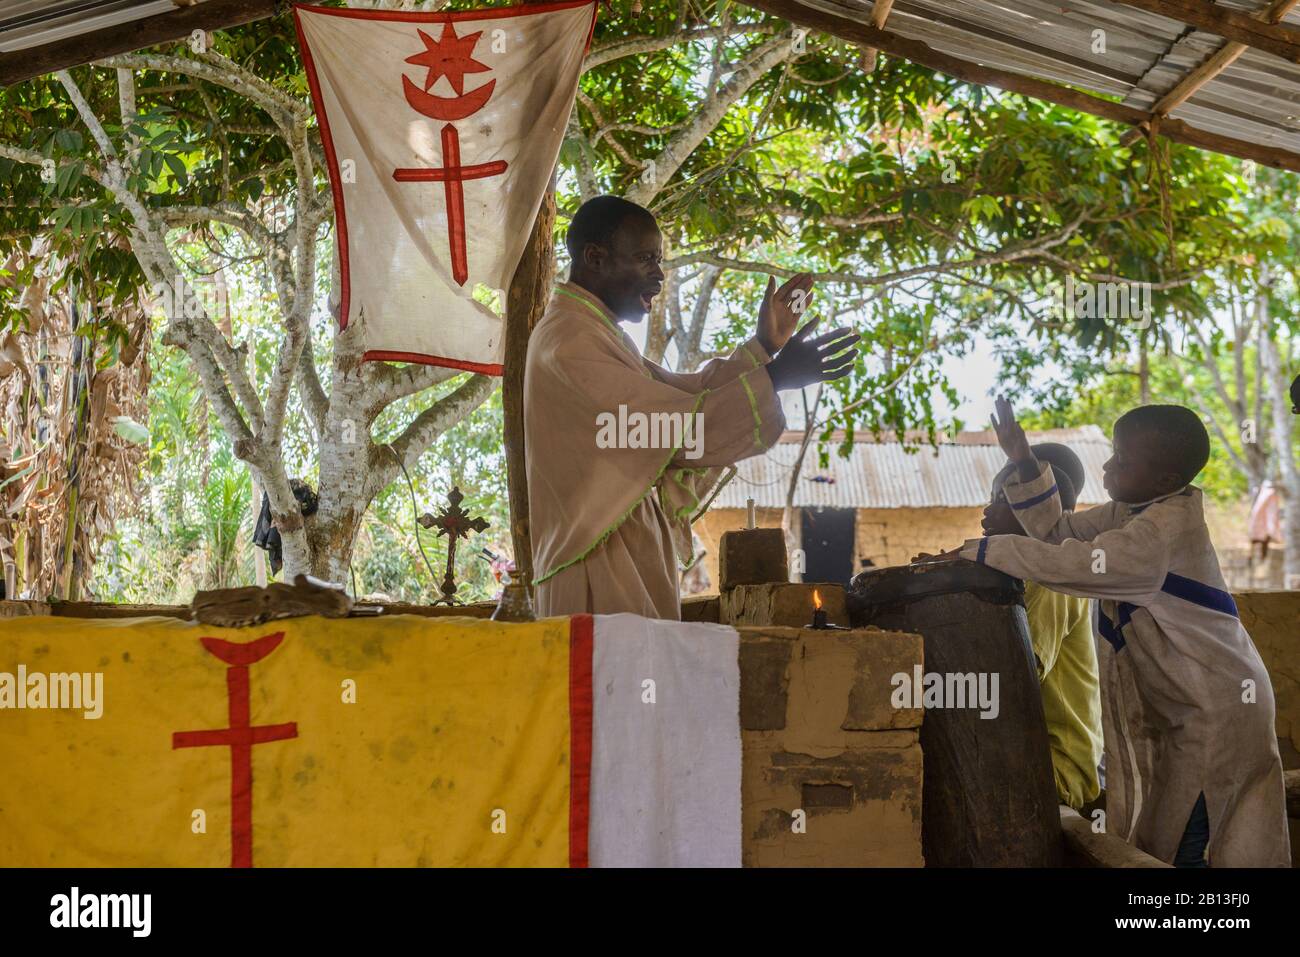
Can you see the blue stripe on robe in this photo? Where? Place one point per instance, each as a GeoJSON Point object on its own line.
{"type": "Point", "coordinates": [1199, 594]}
{"type": "Point", "coordinates": [1108, 630]}
{"type": "Point", "coordinates": [1031, 502]}
{"type": "Point", "coordinates": [1179, 587]}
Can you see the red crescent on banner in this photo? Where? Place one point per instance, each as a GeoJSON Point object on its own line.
{"type": "Point", "coordinates": [453, 108]}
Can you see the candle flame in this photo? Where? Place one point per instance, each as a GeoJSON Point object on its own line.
{"type": "Point", "coordinates": [817, 599]}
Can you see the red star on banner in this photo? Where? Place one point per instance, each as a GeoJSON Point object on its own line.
{"type": "Point", "coordinates": [450, 56]}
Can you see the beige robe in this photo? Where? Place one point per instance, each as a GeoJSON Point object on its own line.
{"type": "Point", "coordinates": [1187, 705]}
{"type": "Point", "coordinates": [610, 525]}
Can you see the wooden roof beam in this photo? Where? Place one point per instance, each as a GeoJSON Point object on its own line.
{"type": "Point", "coordinates": [1223, 58]}
{"type": "Point", "coordinates": [1244, 28]}
{"type": "Point", "coordinates": [19, 65]}
{"type": "Point", "coordinates": [864, 34]}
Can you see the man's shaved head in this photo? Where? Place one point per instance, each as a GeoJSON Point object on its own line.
{"type": "Point", "coordinates": [598, 219]}
{"type": "Point", "coordinates": [617, 252]}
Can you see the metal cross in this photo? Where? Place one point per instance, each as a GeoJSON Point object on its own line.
{"type": "Point", "coordinates": [455, 523]}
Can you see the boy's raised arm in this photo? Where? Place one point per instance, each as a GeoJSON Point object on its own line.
{"type": "Point", "coordinates": [1034, 498]}
{"type": "Point", "coordinates": [1036, 505]}
{"type": "Point", "coordinates": [1122, 564]}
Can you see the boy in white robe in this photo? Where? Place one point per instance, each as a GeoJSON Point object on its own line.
{"type": "Point", "coordinates": [1187, 706]}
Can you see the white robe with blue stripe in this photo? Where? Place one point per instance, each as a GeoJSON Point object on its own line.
{"type": "Point", "coordinates": [1187, 705]}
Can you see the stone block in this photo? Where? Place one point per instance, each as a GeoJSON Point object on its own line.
{"type": "Point", "coordinates": [789, 604]}
{"type": "Point", "coordinates": [752, 556]}
{"type": "Point", "coordinates": [860, 808]}
{"type": "Point", "coordinates": [22, 609]}
{"type": "Point", "coordinates": [820, 736]}
{"type": "Point", "coordinates": [700, 608]}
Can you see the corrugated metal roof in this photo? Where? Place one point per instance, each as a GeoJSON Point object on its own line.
{"type": "Point", "coordinates": [1256, 99]}
{"type": "Point", "coordinates": [885, 475]}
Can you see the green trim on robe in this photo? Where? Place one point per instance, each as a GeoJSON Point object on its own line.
{"type": "Point", "coordinates": [753, 407]}
{"type": "Point", "coordinates": [600, 539]}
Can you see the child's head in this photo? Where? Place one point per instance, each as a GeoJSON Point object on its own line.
{"type": "Point", "coordinates": [1158, 449]}
{"type": "Point", "coordinates": [1067, 470]}
{"type": "Point", "coordinates": [1295, 395]}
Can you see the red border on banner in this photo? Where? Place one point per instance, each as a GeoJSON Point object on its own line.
{"type": "Point", "coordinates": [331, 159]}
{"type": "Point", "coordinates": [384, 355]}
{"type": "Point", "coordinates": [580, 717]}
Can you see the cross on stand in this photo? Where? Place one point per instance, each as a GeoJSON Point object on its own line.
{"type": "Point", "coordinates": [455, 523]}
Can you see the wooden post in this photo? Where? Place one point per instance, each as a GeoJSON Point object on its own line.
{"type": "Point", "coordinates": [526, 299]}
{"type": "Point", "coordinates": [530, 290]}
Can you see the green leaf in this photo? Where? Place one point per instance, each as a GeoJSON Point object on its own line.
{"type": "Point", "coordinates": [177, 166]}
{"type": "Point", "coordinates": [130, 430]}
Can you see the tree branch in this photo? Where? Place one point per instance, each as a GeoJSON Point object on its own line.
{"type": "Point", "coordinates": [416, 438]}
{"type": "Point", "coordinates": [609, 51]}
{"type": "Point", "coordinates": [709, 115]}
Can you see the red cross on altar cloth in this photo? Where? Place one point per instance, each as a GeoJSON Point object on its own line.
{"type": "Point", "coordinates": [440, 131]}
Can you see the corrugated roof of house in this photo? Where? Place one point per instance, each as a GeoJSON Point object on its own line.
{"type": "Point", "coordinates": [883, 474]}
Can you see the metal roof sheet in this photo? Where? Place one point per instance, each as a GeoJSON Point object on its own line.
{"type": "Point", "coordinates": [956, 474]}
{"type": "Point", "coordinates": [1256, 99]}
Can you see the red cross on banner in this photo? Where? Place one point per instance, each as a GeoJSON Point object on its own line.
{"type": "Point", "coordinates": [475, 101]}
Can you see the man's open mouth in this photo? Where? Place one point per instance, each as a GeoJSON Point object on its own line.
{"type": "Point", "coordinates": [648, 296]}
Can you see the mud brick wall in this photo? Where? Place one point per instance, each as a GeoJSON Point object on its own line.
{"type": "Point", "coordinates": [893, 536]}
{"type": "Point", "coordinates": [1273, 620]}
{"type": "Point", "coordinates": [789, 604]}
{"type": "Point", "coordinates": [820, 735]}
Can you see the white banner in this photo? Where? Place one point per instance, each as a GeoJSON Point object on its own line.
{"type": "Point", "coordinates": [441, 131]}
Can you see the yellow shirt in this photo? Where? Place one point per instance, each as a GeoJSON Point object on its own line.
{"type": "Point", "coordinates": [1060, 629]}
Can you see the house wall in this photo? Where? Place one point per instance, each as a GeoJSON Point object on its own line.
{"type": "Point", "coordinates": [894, 536]}
{"type": "Point", "coordinates": [888, 536]}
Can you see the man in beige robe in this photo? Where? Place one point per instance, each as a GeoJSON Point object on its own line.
{"type": "Point", "coordinates": [622, 454]}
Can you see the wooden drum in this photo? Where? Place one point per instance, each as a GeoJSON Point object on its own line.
{"type": "Point", "coordinates": [988, 796]}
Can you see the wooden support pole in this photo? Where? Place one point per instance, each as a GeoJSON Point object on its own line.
{"type": "Point", "coordinates": [918, 52]}
{"type": "Point", "coordinates": [526, 299]}
{"type": "Point", "coordinates": [1275, 38]}
{"type": "Point", "coordinates": [530, 290]}
{"type": "Point", "coordinates": [879, 14]}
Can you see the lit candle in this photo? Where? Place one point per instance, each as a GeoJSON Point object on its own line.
{"type": "Point", "coordinates": [819, 615]}
{"type": "Point", "coordinates": [750, 505]}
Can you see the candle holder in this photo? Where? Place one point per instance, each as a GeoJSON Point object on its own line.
{"type": "Point", "coordinates": [819, 621]}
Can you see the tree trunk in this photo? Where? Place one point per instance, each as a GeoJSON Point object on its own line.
{"type": "Point", "coordinates": [1288, 484]}
{"type": "Point", "coordinates": [1144, 374]}
{"type": "Point", "coordinates": [525, 302]}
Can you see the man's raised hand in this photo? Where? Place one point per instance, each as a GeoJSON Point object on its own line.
{"type": "Point", "coordinates": [779, 314]}
{"type": "Point", "coordinates": [806, 360]}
